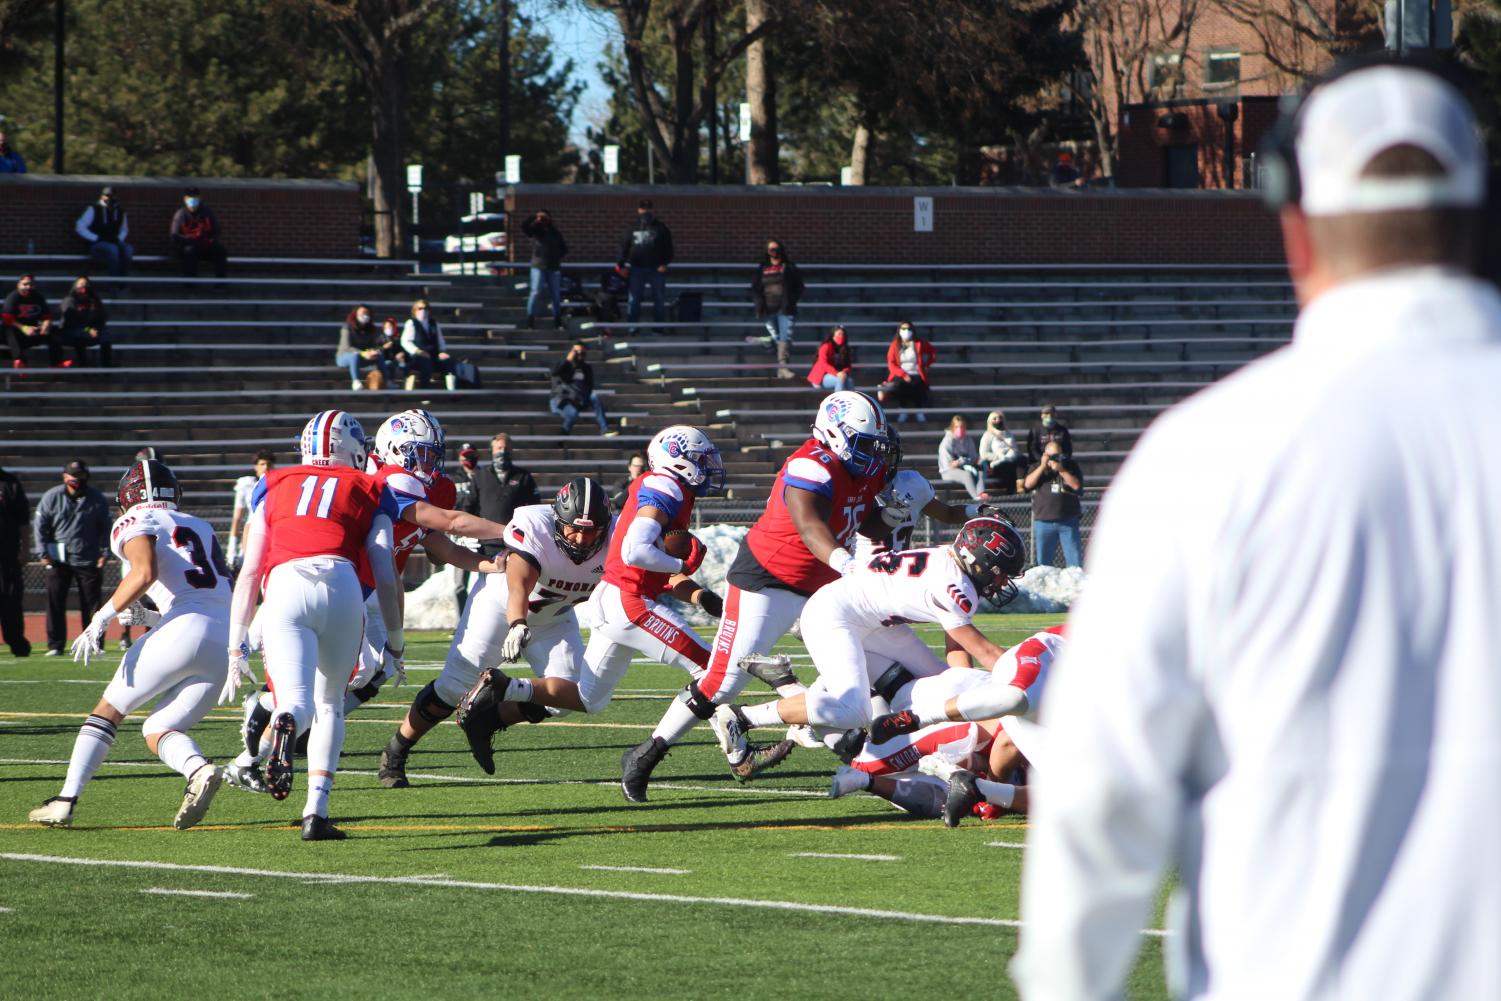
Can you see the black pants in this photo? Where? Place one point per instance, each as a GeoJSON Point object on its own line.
{"type": "Point", "coordinates": [12, 619]}
{"type": "Point", "coordinates": [191, 253]}
{"type": "Point", "coordinates": [60, 576]}
{"type": "Point", "coordinates": [907, 394]}
{"type": "Point", "coordinates": [20, 342]}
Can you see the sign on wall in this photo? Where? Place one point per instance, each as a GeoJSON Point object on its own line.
{"type": "Point", "coordinates": [922, 214]}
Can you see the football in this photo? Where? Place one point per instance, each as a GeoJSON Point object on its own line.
{"type": "Point", "coordinates": [677, 543]}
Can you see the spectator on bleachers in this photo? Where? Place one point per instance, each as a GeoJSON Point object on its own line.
{"type": "Point", "coordinates": [959, 459]}
{"type": "Point", "coordinates": [104, 227]}
{"type": "Point", "coordinates": [1048, 428]}
{"type": "Point", "coordinates": [776, 288]}
{"type": "Point", "coordinates": [999, 457]}
{"type": "Point", "coordinates": [15, 519]}
{"type": "Point", "coordinates": [425, 348]}
{"type": "Point", "coordinates": [11, 161]}
{"type": "Point", "coordinates": [548, 250]}
{"type": "Point", "coordinates": [908, 360]}
{"type": "Point", "coordinates": [834, 367]}
{"type": "Point", "coordinates": [390, 349]}
{"type": "Point", "coordinates": [360, 347]}
{"type": "Point", "coordinates": [573, 391]}
{"type": "Point", "coordinates": [28, 322]}
{"type": "Point", "coordinates": [85, 322]}
{"type": "Point", "coordinates": [1064, 174]}
{"type": "Point", "coordinates": [72, 540]}
{"type": "Point", "coordinates": [647, 252]}
{"type": "Point", "coordinates": [1055, 485]}
{"type": "Point", "coordinates": [500, 488]}
{"type": "Point", "coordinates": [239, 517]}
{"type": "Point", "coordinates": [633, 470]}
{"type": "Point", "coordinates": [195, 236]}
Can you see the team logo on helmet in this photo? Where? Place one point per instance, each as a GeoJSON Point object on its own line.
{"type": "Point", "coordinates": [837, 407]}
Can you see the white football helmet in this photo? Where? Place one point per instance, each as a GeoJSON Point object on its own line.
{"type": "Point", "coordinates": [334, 438]}
{"type": "Point", "coordinates": [854, 427]}
{"type": "Point", "coordinates": [413, 440]}
{"type": "Point", "coordinates": [909, 490]}
{"type": "Point", "coordinates": [687, 453]}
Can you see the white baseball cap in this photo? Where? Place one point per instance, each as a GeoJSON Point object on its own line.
{"type": "Point", "coordinates": [1349, 120]}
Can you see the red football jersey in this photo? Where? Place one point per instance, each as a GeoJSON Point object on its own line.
{"type": "Point", "coordinates": [667, 494]}
{"type": "Point", "coordinates": [405, 490]}
{"type": "Point", "coordinates": [318, 511]}
{"type": "Point", "coordinates": [774, 540]}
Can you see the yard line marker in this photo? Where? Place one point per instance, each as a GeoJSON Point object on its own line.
{"type": "Point", "coordinates": [561, 891]}
{"type": "Point", "coordinates": [161, 892]}
{"type": "Point", "coordinates": [6, 910]}
{"type": "Point", "coordinates": [394, 879]}
{"type": "Point", "coordinates": [853, 858]}
{"type": "Point", "coordinates": [651, 870]}
{"type": "Point", "coordinates": [1006, 844]}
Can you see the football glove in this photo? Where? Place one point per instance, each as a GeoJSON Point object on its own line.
{"type": "Point", "coordinates": [711, 603]}
{"type": "Point", "coordinates": [137, 614]}
{"type": "Point", "coordinates": [516, 640]}
{"type": "Point", "coordinates": [394, 664]}
{"type": "Point", "coordinates": [239, 671]}
{"type": "Point", "coordinates": [91, 641]}
{"type": "Point", "coordinates": [695, 557]}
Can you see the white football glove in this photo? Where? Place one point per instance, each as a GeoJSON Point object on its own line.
{"type": "Point", "coordinates": [91, 641]}
{"type": "Point", "coordinates": [239, 671]}
{"type": "Point", "coordinates": [842, 562]}
{"type": "Point", "coordinates": [393, 662]}
{"type": "Point", "coordinates": [137, 614]}
{"type": "Point", "coordinates": [234, 549]}
{"type": "Point", "coordinates": [516, 640]}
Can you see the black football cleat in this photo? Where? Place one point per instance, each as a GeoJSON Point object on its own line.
{"type": "Point", "coordinates": [962, 797]}
{"type": "Point", "coordinates": [479, 717]}
{"type": "Point", "coordinates": [316, 828]}
{"type": "Point", "coordinates": [636, 766]}
{"type": "Point", "coordinates": [393, 768]}
{"type": "Point", "coordinates": [849, 745]}
{"type": "Point", "coordinates": [279, 764]}
{"type": "Point", "coordinates": [883, 728]}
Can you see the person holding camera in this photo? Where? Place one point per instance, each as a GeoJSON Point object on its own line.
{"type": "Point", "coordinates": [908, 360]}
{"type": "Point", "coordinates": [548, 250]}
{"type": "Point", "coordinates": [1055, 485]}
{"type": "Point", "coordinates": [573, 391]}
{"type": "Point", "coordinates": [959, 459]}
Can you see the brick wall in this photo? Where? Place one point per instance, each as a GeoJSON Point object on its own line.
{"type": "Point", "coordinates": [1143, 141]}
{"type": "Point", "coordinates": [874, 225]}
{"type": "Point", "coordinates": [257, 218]}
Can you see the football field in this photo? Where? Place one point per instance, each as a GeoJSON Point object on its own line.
{"type": "Point", "coordinates": [538, 882]}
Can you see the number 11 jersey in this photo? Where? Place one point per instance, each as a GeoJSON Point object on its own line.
{"type": "Point", "coordinates": [319, 511]}
{"type": "Point", "coordinates": [191, 574]}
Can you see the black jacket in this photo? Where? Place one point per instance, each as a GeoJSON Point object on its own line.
{"type": "Point", "coordinates": [776, 289]}
{"type": "Point", "coordinates": [15, 515]}
{"type": "Point", "coordinates": [548, 246]}
{"type": "Point", "coordinates": [81, 524]}
{"type": "Point", "coordinates": [1039, 436]}
{"type": "Point", "coordinates": [648, 244]}
{"type": "Point", "coordinates": [497, 496]}
{"type": "Point", "coordinates": [79, 314]}
{"type": "Point", "coordinates": [29, 309]}
{"type": "Point", "coordinates": [570, 390]}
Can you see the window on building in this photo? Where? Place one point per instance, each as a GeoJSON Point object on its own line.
{"type": "Point", "coordinates": [1222, 68]}
{"type": "Point", "coordinates": [1166, 70]}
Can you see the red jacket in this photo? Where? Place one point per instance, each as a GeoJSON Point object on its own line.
{"type": "Point", "coordinates": [824, 364]}
{"type": "Point", "coordinates": [925, 356]}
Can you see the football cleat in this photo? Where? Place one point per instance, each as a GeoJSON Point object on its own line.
{"type": "Point", "coordinates": [636, 766]}
{"type": "Point", "coordinates": [849, 745]}
{"type": "Point", "coordinates": [253, 725]}
{"type": "Point", "coordinates": [847, 780]}
{"type": "Point", "coordinates": [393, 769]}
{"type": "Point", "coordinates": [773, 669]}
{"type": "Point", "coordinates": [479, 717]}
{"type": "Point", "coordinates": [55, 812]}
{"type": "Point", "coordinates": [883, 728]}
{"type": "Point", "coordinates": [761, 758]}
{"type": "Point", "coordinates": [279, 765]}
{"type": "Point", "coordinates": [802, 735]}
{"type": "Point", "coordinates": [316, 828]}
{"type": "Point", "coordinates": [246, 777]}
{"type": "Point", "coordinates": [197, 797]}
{"type": "Point", "coordinates": [729, 727]}
{"type": "Point", "coordinates": [962, 797]}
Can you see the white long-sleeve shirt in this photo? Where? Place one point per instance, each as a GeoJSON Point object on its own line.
{"type": "Point", "coordinates": [1290, 686]}
{"type": "Point", "coordinates": [409, 342]}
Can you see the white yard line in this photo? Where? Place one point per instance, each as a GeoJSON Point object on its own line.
{"type": "Point", "coordinates": [1006, 844]}
{"type": "Point", "coordinates": [6, 910]}
{"type": "Point", "coordinates": [853, 858]}
{"type": "Point", "coordinates": [563, 891]}
{"type": "Point", "coordinates": [162, 892]}
{"type": "Point", "coordinates": [650, 870]}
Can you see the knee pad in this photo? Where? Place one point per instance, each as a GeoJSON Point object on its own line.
{"type": "Point", "coordinates": [891, 681]}
{"type": "Point", "coordinates": [429, 707]}
{"type": "Point", "coordinates": [697, 703]}
{"type": "Point", "coordinates": [531, 712]}
{"type": "Point", "coordinates": [367, 692]}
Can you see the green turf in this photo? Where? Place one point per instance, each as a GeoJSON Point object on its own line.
{"type": "Point", "coordinates": [75, 931]}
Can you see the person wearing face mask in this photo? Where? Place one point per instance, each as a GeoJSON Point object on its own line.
{"type": "Point", "coordinates": [573, 391]}
{"type": "Point", "coordinates": [834, 368]}
{"type": "Point", "coordinates": [646, 252]}
{"type": "Point", "coordinates": [548, 250]}
{"type": "Point", "coordinates": [360, 347]}
{"type": "Point", "coordinates": [499, 489]}
{"type": "Point", "coordinates": [908, 361]}
{"type": "Point", "coordinates": [776, 288]}
{"type": "Point", "coordinates": [28, 320]}
{"type": "Point", "coordinates": [1048, 428]}
{"type": "Point", "coordinates": [195, 236]}
{"type": "Point", "coordinates": [390, 348]}
{"type": "Point", "coordinates": [959, 459]}
{"type": "Point", "coordinates": [426, 350]}
{"type": "Point", "coordinates": [1056, 484]}
{"type": "Point", "coordinates": [71, 528]}
{"type": "Point", "coordinates": [104, 227]}
{"type": "Point", "coordinates": [85, 322]}
{"type": "Point", "coordinates": [10, 160]}
{"type": "Point", "coordinates": [998, 455]}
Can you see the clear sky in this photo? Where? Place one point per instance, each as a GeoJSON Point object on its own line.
{"type": "Point", "coordinates": [579, 34]}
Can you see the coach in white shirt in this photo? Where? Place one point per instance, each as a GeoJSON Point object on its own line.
{"type": "Point", "coordinates": [1308, 724]}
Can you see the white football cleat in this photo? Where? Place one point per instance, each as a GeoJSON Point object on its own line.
{"type": "Point", "coordinates": [56, 812]}
{"type": "Point", "coordinates": [802, 735]}
{"type": "Point", "coordinates": [939, 768]}
{"type": "Point", "coordinates": [847, 780]}
{"type": "Point", "coordinates": [197, 797]}
{"type": "Point", "coordinates": [727, 728]}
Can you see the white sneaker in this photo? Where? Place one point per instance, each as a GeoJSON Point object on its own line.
{"type": "Point", "coordinates": [847, 780]}
{"type": "Point", "coordinates": [197, 797]}
{"type": "Point", "coordinates": [939, 768]}
{"type": "Point", "coordinates": [56, 812]}
{"type": "Point", "coordinates": [802, 735]}
{"type": "Point", "coordinates": [727, 729]}
{"type": "Point", "coordinates": [356, 384]}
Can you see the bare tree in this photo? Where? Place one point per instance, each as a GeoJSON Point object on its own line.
{"type": "Point", "coordinates": [761, 92]}
{"type": "Point", "coordinates": [1298, 37]}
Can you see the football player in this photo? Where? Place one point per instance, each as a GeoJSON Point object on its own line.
{"type": "Point", "coordinates": [174, 558]}
{"type": "Point", "coordinates": [628, 613]}
{"type": "Point", "coordinates": [823, 493]}
{"type": "Point", "coordinates": [858, 634]}
{"type": "Point", "coordinates": [265, 461]}
{"type": "Point", "coordinates": [555, 555]}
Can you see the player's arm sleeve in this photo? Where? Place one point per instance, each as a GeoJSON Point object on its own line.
{"type": "Point", "coordinates": [242, 604]}
{"type": "Point", "coordinates": [1105, 817]}
{"type": "Point", "coordinates": [639, 549]}
{"type": "Point", "coordinates": [387, 588]}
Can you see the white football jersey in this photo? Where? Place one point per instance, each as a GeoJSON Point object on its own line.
{"type": "Point", "coordinates": [562, 583]}
{"type": "Point", "coordinates": [1028, 664]}
{"type": "Point", "coordinates": [190, 567]}
{"type": "Point", "coordinates": [244, 487]}
{"type": "Point", "coordinates": [910, 585]}
{"type": "Point", "coordinates": [917, 491]}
